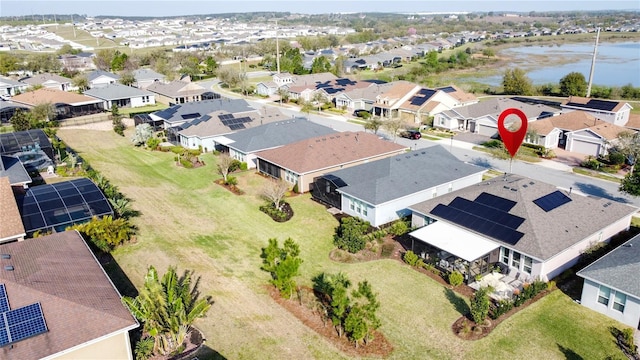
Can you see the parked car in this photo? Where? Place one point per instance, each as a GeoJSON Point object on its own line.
{"type": "Point", "coordinates": [362, 113]}
{"type": "Point", "coordinates": [411, 134]}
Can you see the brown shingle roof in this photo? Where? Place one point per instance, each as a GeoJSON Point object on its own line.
{"type": "Point", "coordinates": [397, 91]}
{"type": "Point", "coordinates": [42, 78]}
{"type": "Point", "coordinates": [634, 122]}
{"type": "Point", "coordinates": [460, 95]}
{"type": "Point", "coordinates": [11, 224]}
{"type": "Point", "coordinates": [577, 120]}
{"type": "Point", "coordinates": [53, 96]}
{"type": "Point", "coordinates": [78, 300]}
{"type": "Point", "coordinates": [328, 151]}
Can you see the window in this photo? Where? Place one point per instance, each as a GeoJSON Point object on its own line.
{"type": "Point", "coordinates": [528, 263]}
{"type": "Point", "coordinates": [515, 261]}
{"type": "Point", "coordinates": [505, 255]}
{"type": "Point", "coordinates": [603, 295]}
{"type": "Point", "coordinates": [619, 300]}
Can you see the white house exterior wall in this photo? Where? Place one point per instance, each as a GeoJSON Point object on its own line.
{"type": "Point", "coordinates": [102, 81]}
{"type": "Point", "coordinates": [564, 260]}
{"type": "Point", "coordinates": [138, 101]}
{"type": "Point", "coordinates": [584, 142]}
{"type": "Point", "coordinates": [443, 121]}
{"type": "Point", "coordinates": [631, 314]}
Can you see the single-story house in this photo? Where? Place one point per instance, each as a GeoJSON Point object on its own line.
{"type": "Point", "coordinates": [122, 95]}
{"type": "Point", "coordinates": [11, 228]}
{"type": "Point", "coordinates": [533, 228]}
{"type": "Point", "coordinates": [362, 98]}
{"type": "Point", "coordinates": [8, 108]}
{"type": "Point", "coordinates": [31, 147]}
{"type": "Point", "coordinates": [98, 78]}
{"type": "Point", "coordinates": [387, 103]}
{"type": "Point", "coordinates": [611, 285]}
{"type": "Point", "coordinates": [482, 118]}
{"type": "Point", "coordinates": [179, 114]}
{"type": "Point", "coordinates": [266, 88]}
{"type": "Point", "coordinates": [78, 62]}
{"type": "Point", "coordinates": [428, 102]}
{"type": "Point", "coordinates": [326, 90]}
{"type": "Point", "coordinates": [177, 92]}
{"type": "Point", "coordinates": [209, 131]}
{"type": "Point", "coordinates": [381, 191]}
{"type": "Point", "coordinates": [10, 87]}
{"type": "Point", "coordinates": [12, 168]}
{"type": "Point", "coordinates": [67, 104]}
{"type": "Point", "coordinates": [146, 77]}
{"type": "Point", "coordinates": [301, 162]}
{"type": "Point", "coordinates": [243, 145]}
{"type": "Point", "coordinates": [611, 111]}
{"type": "Point", "coordinates": [49, 81]}
{"type": "Point", "coordinates": [575, 131]}
{"type": "Point", "coordinates": [72, 308]}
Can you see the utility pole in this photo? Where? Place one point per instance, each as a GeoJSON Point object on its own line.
{"type": "Point", "coordinates": [73, 26]}
{"type": "Point", "coordinates": [593, 63]}
{"type": "Point", "coordinates": [277, 49]}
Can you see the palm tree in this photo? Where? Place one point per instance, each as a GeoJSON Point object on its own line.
{"type": "Point", "coordinates": [168, 307]}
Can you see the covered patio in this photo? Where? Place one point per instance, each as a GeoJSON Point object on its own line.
{"type": "Point", "coordinates": [451, 248]}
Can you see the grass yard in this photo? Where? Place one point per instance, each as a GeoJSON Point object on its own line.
{"type": "Point", "coordinates": [189, 221]}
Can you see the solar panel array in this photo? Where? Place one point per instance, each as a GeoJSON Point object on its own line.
{"type": "Point", "coordinates": [21, 323]}
{"type": "Point", "coordinates": [422, 97]}
{"type": "Point", "coordinates": [552, 200]}
{"type": "Point", "coordinates": [479, 216]}
{"type": "Point", "coordinates": [190, 116]}
{"type": "Point", "coordinates": [234, 123]}
{"type": "Point", "coordinates": [447, 89]}
{"type": "Point", "coordinates": [59, 205]}
{"type": "Point", "coordinates": [603, 105]}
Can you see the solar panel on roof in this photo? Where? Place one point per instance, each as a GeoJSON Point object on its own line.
{"type": "Point", "coordinates": [602, 104]}
{"type": "Point", "coordinates": [552, 200]}
{"type": "Point", "coordinates": [487, 213]}
{"type": "Point", "coordinates": [336, 180]}
{"type": "Point", "coordinates": [495, 201]}
{"type": "Point", "coordinates": [477, 224]}
{"type": "Point", "coordinates": [190, 116]}
{"type": "Point", "coordinates": [22, 323]}
{"type": "Point", "coordinates": [4, 300]}
{"type": "Point", "coordinates": [237, 127]}
{"type": "Point", "coordinates": [447, 89]}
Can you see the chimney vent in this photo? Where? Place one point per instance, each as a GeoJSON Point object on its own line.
{"type": "Point", "coordinates": [8, 267]}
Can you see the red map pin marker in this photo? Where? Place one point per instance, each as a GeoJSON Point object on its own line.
{"type": "Point", "coordinates": [512, 139]}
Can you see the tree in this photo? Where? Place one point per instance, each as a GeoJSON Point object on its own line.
{"type": "Point", "coordinates": [362, 320]}
{"type": "Point", "coordinates": [320, 65]}
{"type": "Point", "coordinates": [106, 233]}
{"type": "Point", "coordinates": [480, 305]}
{"type": "Point", "coordinates": [167, 307]}
{"type": "Point", "coordinates": [516, 82]}
{"type": "Point", "coordinates": [573, 84]}
{"type": "Point", "coordinates": [43, 113]}
{"type": "Point", "coordinates": [143, 133]}
{"type": "Point", "coordinates": [340, 301]}
{"type": "Point", "coordinates": [393, 126]}
{"type": "Point", "coordinates": [103, 59]}
{"type": "Point", "coordinates": [631, 183]}
{"type": "Point", "coordinates": [306, 107]}
{"type": "Point", "coordinates": [116, 120]}
{"type": "Point", "coordinates": [81, 82]}
{"type": "Point", "coordinates": [349, 235]}
{"type": "Point", "coordinates": [119, 61]}
{"type": "Point", "coordinates": [373, 124]}
{"type": "Point", "coordinates": [8, 62]}
{"type": "Point", "coordinates": [127, 78]}
{"type": "Point", "coordinates": [43, 63]}
{"type": "Point", "coordinates": [274, 192]}
{"type": "Point", "coordinates": [21, 120]}
{"type": "Point", "coordinates": [283, 265]}
{"type": "Point", "coordinates": [628, 144]}
{"type": "Point", "coordinates": [488, 52]}
{"type": "Point", "coordinates": [210, 65]}
{"type": "Point", "coordinates": [224, 166]}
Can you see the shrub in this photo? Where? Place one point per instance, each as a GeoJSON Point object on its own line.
{"type": "Point", "coordinates": [235, 165]}
{"type": "Point", "coordinates": [387, 250]}
{"type": "Point", "coordinates": [244, 166]}
{"type": "Point", "coordinates": [176, 149]}
{"type": "Point", "coordinates": [231, 181]}
{"type": "Point", "coordinates": [295, 188]}
{"type": "Point", "coordinates": [399, 228]}
{"type": "Point", "coordinates": [455, 278]}
{"type": "Point", "coordinates": [616, 158]}
{"type": "Point", "coordinates": [493, 144]}
{"type": "Point", "coordinates": [480, 305]}
{"type": "Point", "coordinates": [350, 234]}
{"type": "Point", "coordinates": [186, 163]}
{"type": "Point", "coordinates": [410, 258]}
{"type": "Point", "coordinates": [627, 338]}
{"type": "Point", "coordinates": [591, 162]}
{"type": "Point", "coordinates": [153, 143]}
{"type": "Point", "coordinates": [501, 308]}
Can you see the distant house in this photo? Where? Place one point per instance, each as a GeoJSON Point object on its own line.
{"type": "Point", "coordinates": [72, 308]}
{"type": "Point", "coordinates": [381, 191]}
{"type": "Point", "coordinates": [48, 81]}
{"type": "Point", "coordinates": [611, 285]}
{"type": "Point", "coordinates": [78, 62]}
{"type": "Point", "coordinates": [575, 131]}
{"type": "Point", "coordinates": [67, 104]}
{"type": "Point", "coordinates": [482, 118]}
{"type": "Point", "coordinates": [531, 228]}
{"type": "Point", "coordinates": [181, 113]}
{"type": "Point", "coordinates": [282, 79]}
{"type": "Point", "coordinates": [121, 95]}
{"type": "Point", "coordinates": [99, 78]}
{"type": "Point", "coordinates": [266, 88]}
{"type": "Point", "coordinates": [8, 108]}
{"type": "Point", "coordinates": [177, 92]}
{"type": "Point", "coordinates": [614, 112]}
{"type": "Point", "coordinates": [301, 162]}
{"type": "Point", "coordinates": [360, 98]}
{"type": "Point", "coordinates": [9, 87]}
{"type": "Point", "coordinates": [244, 144]}
{"type": "Point", "coordinates": [146, 77]}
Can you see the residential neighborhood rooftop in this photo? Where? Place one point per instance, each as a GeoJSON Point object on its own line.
{"type": "Point", "coordinates": [116, 91]}
{"type": "Point", "coordinates": [191, 110]}
{"type": "Point", "coordinates": [577, 120]}
{"type": "Point", "coordinates": [53, 96]}
{"type": "Point", "coordinates": [11, 224]}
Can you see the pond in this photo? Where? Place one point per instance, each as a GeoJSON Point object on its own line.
{"type": "Point", "coordinates": [617, 64]}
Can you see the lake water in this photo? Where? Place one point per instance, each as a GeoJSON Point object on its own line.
{"type": "Point", "coordinates": [617, 64]}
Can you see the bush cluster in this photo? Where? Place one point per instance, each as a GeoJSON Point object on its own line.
{"type": "Point", "coordinates": [456, 278]}
{"type": "Point", "coordinates": [275, 213]}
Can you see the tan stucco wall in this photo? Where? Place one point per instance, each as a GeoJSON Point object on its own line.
{"type": "Point", "coordinates": [115, 347]}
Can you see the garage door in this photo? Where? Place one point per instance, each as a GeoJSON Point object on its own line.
{"type": "Point", "coordinates": [487, 130]}
{"type": "Point", "coordinates": [584, 147]}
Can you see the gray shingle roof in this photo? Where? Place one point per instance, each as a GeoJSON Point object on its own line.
{"type": "Point", "coordinates": [545, 233]}
{"type": "Point", "coordinates": [12, 168]}
{"type": "Point", "coordinates": [387, 179]}
{"type": "Point", "coordinates": [146, 74]}
{"type": "Point", "coordinates": [116, 91]}
{"type": "Point", "coordinates": [276, 134]}
{"type": "Point", "coordinates": [618, 269]}
{"type": "Point", "coordinates": [97, 73]}
{"type": "Point", "coordinates": [495, 106]}
{"type": "Point", "coordinates": [232, 106]}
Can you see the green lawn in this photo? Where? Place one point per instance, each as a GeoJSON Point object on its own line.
{"type": "Point", "coordinates": [189, 221]}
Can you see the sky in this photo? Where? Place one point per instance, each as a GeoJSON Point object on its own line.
{"type": "Point", "coordinates": [193, 7]}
